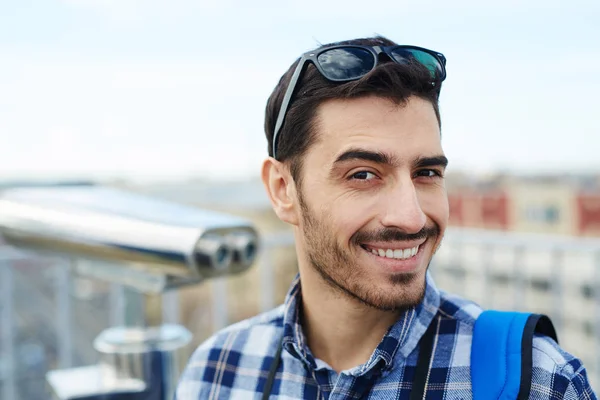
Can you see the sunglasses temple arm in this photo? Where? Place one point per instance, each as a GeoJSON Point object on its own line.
{"type": "Point", "coordinates": [286, 101]}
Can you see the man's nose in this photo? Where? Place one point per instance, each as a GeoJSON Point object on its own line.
{"type": "Point", "coordinates": [403, 209]}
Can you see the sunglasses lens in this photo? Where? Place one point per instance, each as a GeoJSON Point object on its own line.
{"type": "Point", "coordinates": [346, 63]}
{"type": "Point", "coordinates": [405, 56]}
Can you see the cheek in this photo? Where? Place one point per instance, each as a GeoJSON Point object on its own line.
{"type": "Point", "coordinates": [341, 211]}
{"type": "Point", "coordinates": [436, 207]}
{"type": "Point", "coordinates": [349, 216]}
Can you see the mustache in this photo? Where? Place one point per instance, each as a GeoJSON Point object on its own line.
{"type": "Point", "coordinates": [394, 235]}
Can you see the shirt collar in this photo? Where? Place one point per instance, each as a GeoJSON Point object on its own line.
{"type": "Point", "coordinates": [397, 344]}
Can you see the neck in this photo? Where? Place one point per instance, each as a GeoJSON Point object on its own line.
{"type": "Point", "coordinates": [334, 323]}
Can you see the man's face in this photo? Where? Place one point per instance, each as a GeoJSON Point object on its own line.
{"type": "Point", "coordinates": [373, 202]}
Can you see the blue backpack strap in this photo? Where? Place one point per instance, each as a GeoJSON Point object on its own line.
{"type": "Point", "coordinates": [502, 353]}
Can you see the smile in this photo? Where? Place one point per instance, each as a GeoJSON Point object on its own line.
{"type": "Point", "coordinates": [398, 254]}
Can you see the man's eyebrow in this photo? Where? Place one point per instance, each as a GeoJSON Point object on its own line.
{"type": "Point", "coordinates": [378, 157]}
{"type": "Point", "coordinates": [435, 161]}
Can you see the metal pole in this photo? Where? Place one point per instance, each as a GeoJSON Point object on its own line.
{"type": "Point", "coordinates": [219, 303]}
{"type": "Point", "coordinates": [153, 309]}
{"type": "Point", "coordinates": [7, 343]}
{"type": "Point", "coordinates": [142, 310]}
{"type": "Point", "coordinates": [117, 305]}
{"type": "Point", "coordinates": [134, 308]}
{"type": "Point", "coordinates": [267, 280]}
{"type": "Point", "coordinates": [170, 305]}
{"type": "Point", "coordinates": [64, 314]}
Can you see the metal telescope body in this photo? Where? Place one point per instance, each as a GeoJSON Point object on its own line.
{"type": "Point", "coordinates": [143, 243]}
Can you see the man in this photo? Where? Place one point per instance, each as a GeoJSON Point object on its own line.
{"type": "Point", "coordinates": [356, 166]}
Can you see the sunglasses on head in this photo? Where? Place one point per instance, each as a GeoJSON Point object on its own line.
{"type": "Point", "coordinates": [344, 63]}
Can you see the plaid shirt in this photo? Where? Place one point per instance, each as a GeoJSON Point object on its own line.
{"type": "Point", "coordinates": [235, 362]}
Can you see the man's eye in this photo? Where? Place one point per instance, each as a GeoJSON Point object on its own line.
{"type": "Point", "coordinates": [363, 175]}
{"type": "Point", "coordinates": [428, 173]}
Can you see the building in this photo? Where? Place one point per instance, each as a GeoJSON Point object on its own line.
{"type": "Point", "coordinates": [554, 205]}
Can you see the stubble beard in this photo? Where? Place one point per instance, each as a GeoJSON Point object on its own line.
{"type": "Point", "coordinates": [339, 270]}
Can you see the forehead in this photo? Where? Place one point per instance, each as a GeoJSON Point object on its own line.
{"type": "Point", "coordinates": [408, 130]}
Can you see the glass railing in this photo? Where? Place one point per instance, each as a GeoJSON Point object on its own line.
{"type": "Point", "coordinates": [53, 318]}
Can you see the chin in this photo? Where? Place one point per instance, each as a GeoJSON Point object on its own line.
{"type": "Point", "coordinates": [396, 292]}
{"type": "Point", "coordinates": [405, 290]}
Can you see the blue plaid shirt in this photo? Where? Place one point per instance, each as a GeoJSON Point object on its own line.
{"type": "Point", "coordinates": [235, 362]}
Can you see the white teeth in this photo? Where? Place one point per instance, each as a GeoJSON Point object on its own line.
{"type": "Point", "coordinates": [400, 254]}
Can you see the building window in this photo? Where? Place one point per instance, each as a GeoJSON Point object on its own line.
{"type": "Point", "coordinates": [542, 214]}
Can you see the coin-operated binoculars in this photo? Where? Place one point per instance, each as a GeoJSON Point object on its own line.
{"type": "Point", "coordinates": [140, 242]}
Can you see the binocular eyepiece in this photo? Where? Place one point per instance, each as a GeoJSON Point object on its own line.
{"type": "Point", "coordinates": [233, 250]}
{"type": "Point", "coordinates": [116, 232]}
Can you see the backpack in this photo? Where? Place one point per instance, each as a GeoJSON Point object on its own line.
{"type": "Point", "coordinates": [501, 353]}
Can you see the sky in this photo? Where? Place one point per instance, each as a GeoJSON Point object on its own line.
{"type": "Point", "coordinates": [149, 90]}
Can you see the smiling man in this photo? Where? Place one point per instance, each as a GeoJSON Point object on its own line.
{"type": "Point", "coordinates": [357, 168]}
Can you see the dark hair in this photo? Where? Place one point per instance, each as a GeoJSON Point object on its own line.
{"type": "Point", "coordinates": [389, 80]}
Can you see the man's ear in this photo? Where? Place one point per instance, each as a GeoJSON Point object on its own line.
{"type": "Point", "coordinates": [281, 189]}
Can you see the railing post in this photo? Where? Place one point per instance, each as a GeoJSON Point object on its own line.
{"type": "Point", "coordinates": [267, 281]}
{"type": "Point", "coordinates": [597, 312]}
{"type": "Point", "coordinates": [557, 288]}
{"type": "Point", "coordinates": [141, 309]}
{"type": "Point", "coordinates": [7, 343]}
{"type": "Point", "coordinates": [170, 305]}
{"type": "Point", "coordinates": [219, 300]}
{"type": "Point", "coordinates": [117, 305]}
{"type": "Point", "coordinates": [488, 253]}
{"type": "Point", "coordinates": [519, 286]}
{"type": "Point", "coordinates": [460, 272]}
{"type": "Point", "coordinates": [62, 291]}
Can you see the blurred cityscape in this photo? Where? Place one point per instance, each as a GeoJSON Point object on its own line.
{"type": "Point", "coordinates": [517, 242]}
{"type": "Point", "coordinates": [143, 92]}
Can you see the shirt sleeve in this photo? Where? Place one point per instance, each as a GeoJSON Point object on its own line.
{"type": "Point", "coordinates": [557, 374]}
{"type": "Point", "coordinates": [579, 387]}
